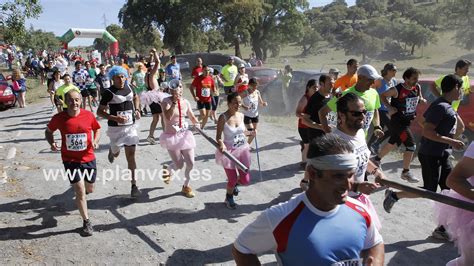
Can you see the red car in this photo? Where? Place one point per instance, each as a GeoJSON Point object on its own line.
{"type": "Point", "coordinates": [465, 110]}
{"type": "Point", "coordinates": [7, 98]}
{"type": "Point", "coordinates": [262, 74]}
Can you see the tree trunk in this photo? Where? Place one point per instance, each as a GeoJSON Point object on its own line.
{"type": "Point", "coordinates": [413, 49]}
{"type": "Point", "coordinates": [178, 49]}
{"type": "Point", "coordinates": [237, 47]}
{"type": "Point", "coordinates": [258, 50]}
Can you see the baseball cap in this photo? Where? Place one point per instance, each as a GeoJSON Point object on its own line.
{"type": "Point", "coordinates": [173, 56]}
{"type": "Point", "coordinates": [368, 71]}
{"type": "Point", "coordinates": [230, 58]}
{"type": "Point", "coordinates": [241, 66]}
{"type": "Point", "coordinates": [334, 70]}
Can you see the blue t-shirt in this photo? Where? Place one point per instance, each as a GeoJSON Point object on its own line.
{"type": "Point", "coordinates": [173, 71]}
{"type": "Point", "coordinates": [300, 234]}
{"type": "Point", "coordinates": [385, 86]}
{"type": "Point", "coordinates": [442, 115]}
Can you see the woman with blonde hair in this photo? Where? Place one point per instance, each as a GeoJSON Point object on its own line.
{"type": "Point", "coordinates": [19, 86]}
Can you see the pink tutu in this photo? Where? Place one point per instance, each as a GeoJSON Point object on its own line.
{"type": "Point", "coordinates": [153, 96]}
{"type": "Point", "coordinates": [364, 199]}
{"type": "Point", "coordinates": [177, 141]}
{"type": "Point", "coordinates": [458, 222]}
{"type": "Point", "coordinates": [242, 154]}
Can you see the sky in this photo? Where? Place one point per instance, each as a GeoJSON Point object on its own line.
{"type": "Point", "coordinates": [60, 15]}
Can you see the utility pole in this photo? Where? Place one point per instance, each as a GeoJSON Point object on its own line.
{"type": "Point", "coordinates": [105, 20]}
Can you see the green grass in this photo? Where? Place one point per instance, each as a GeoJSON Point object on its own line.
{"type": "Point", "coordinates": [35, 90]}
{"type": "Point", "coordinates": [438, 58]}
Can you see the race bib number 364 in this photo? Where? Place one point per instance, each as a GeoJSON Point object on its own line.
{"type": "Point", "coordinates": [76, 142]}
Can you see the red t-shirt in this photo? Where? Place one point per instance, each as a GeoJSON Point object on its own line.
{"type": "Point", "coordinates": [76, 137]}
{"type": "Point", "coordinates": [197, 70]}
{"type": "Point", "coordinates": [204, 87]}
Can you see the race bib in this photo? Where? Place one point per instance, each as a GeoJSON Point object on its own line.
{"type": "Point", "coordinates": [332, 119]}
{"type": "Point", "coordinates": [184, 127]}
{"type": "Point", "coordinates": [206, 92]}
{"type": "Point", "coordinates": [363, 155]}
{"type": "Point", "coordinates": [352, 262]}
{"type": "Point", "coordinates": [76, 142]}
{"type": "Point", "coordinates": [239, 140]}
{"type": "Point", "coordinates": [411, 105]}
{"type": "Point", "coordinates": [128, 114]}
{"type": "Point", "coordinates": [79, 79]}
{"type": "Point", "coordinates": [253, 107]}
{"type": "Point", "coordinates": [106, 84]}
{"type": "Point", "coordinates": [232, 76]}
{"type": "Point", "coordinates": [453, 130]}
{"type": "Point", "coordinates": [368, 120]}
{"type": "Point", "coordinates": [89, 81]}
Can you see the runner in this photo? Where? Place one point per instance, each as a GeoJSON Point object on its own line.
{"type": "Point", "coordinates": [91, 86]}
{"type": "Point", "coordinates": [138, 83]}
{"type": "Point", "coordinates": [228, 74]}
{"type": "Point", "coordinates": [435, 146]}
{"type": "Point", "coordinates": [176, 138]}
{"type": "Point", "coordinates": [286, 77]}
{"type": "Point", "coordinates": [461, 69]}
{"type": "Point", "coordinates": [53, 86]}
{"type": "Point", "coordinates": [458, 222]}
{"type": "Point", "coordinates": [172, 69]}
{"type": "Point", "coordinates": [366, 77]}
{"type": "Point", "coordinates": [322, 226]}
{"type": "Point", "coordinates": [122, 131]}
{"type": "Point", "coordinates": [388, 81]}
{"type": "Point", "coordinates": [201, 90]}
{"type": "Point", "coordinates": [241, 82]}
{"type": "Point", "coordinates": [231, 124]}
{"type": "Point", "coordinates": [62, 90]}
{"type": "Point", "coordinates": [80, 76]}
{"type": "Point", "coordinates": [350, 78]}
{"type": "Point", "coordinates": [250, 105]}
{"type": "Point", "coordinates": [102, 80]}
{"type": "Point", "coordinates": [303, 127]}
{"type": "Point", "coordinates": [311, 117]}
{"type": "Point", "coordinates": [77, 150]}
{"type": "Point", "coordinates": [334, 72]}
{"type": "Point", "coordinates": [351, 113]}
{"type": "Point", "coordinates": [218, 83]}
{"type": "Point", "coordinates": [402, 110]}
{"type": "Point", "coordinates": [197, 70]}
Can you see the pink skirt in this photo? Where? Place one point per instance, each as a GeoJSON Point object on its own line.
{"type": "Point", "coordinates": [371, 209]}
{"type": "Point", "coordinates": [177, 141]}
{"type": "Point", "coordinates": [458, 222]}
{"type": "Point", "coordinates": [242, 154]}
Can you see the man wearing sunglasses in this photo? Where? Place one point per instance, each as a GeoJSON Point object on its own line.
{"type": "Point", "coordinates": [351, 114]}
{"type": "Point", "coordinates": [366, 77]}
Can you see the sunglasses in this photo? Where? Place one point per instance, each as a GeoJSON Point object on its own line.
{"type": "Point", "coordinates": [358, 113]}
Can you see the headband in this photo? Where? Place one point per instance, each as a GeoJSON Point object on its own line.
{"type": "Point", "coordinates": [343, 161]}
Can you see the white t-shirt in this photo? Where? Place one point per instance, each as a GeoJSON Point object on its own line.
{"type": "Point", "coordinates": [470, 151]}
{"type": "Point", "coordinates": [300, 234]}
{"type": "Point", "coordinates": [251, 101]}
{"type": "Point", "coordinates": [361, 151]}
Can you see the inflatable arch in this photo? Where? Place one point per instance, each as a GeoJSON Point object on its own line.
{"type": "Point", "coordinates": [73, 33]}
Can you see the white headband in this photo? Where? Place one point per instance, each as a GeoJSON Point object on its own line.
{"type": "Point", "coordinates": [343, 161]}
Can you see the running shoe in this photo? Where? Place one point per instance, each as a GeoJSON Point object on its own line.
{"type": "Point", "coordinates": [135, 191]}
{"type": "Point", "coordinates": [408, 176]}
{"type": "Point", "coordinates": [236, 191]}
{"type": "Point", "coordinates": [389, 200]}
{"type": "Point", "coordinates": [110, 156]}
{"type": "Point", "coordinates": [166, 175]}
{"type": "Point", "coordinates": [151, 140]}
{"type": "Point", "coordinates": [188, 192]}
{"type": "Point", "coordinates": [441, 234]}
{"type": "Point", "coordinates": [229, 202]}
{"type": "Point", "coordinates": [87, 229]}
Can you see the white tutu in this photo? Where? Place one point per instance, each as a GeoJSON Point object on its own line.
{"type": "Point", "coordinates": [120, 136]}
{"type": "Point", "coordinates": [153, 96]}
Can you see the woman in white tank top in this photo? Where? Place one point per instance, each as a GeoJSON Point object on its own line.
{"type": "Point", "coordinates": [231, 124]}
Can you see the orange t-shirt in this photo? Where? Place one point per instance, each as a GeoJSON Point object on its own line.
{"type": "Point", "coordinates": [345, 82]}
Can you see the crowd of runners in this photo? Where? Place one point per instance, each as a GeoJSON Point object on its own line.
{"type": "Point", "coordinates": [342, 162]}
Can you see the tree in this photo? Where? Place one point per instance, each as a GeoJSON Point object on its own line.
{"type": "Point", "coordinates": [280, 23]}
{"type": "Point", "coordinates": [38, 40]}
{"type": "Point", "coordinates": [215, 41]}
{"type": "Point", "coordinates": [404, 7]}
{"type": "Point", "coordinates": [360, 43]}
{"type": "Point", "coordinates": [459, 18]}
{"type": "Point", "coordinates": [13, 14]}
{"type": "Point", "coordinates": [415, 35]}
{"type": "Point", "coordinates": [309, 42]}
{"type": "Point", "coordinates": [372, 7]}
